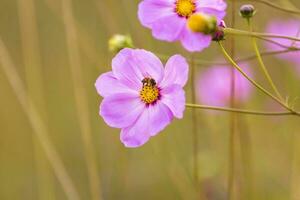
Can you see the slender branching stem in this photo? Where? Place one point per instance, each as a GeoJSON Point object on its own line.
{"type": "Point", "coordinates": [233, 31]}
{"type": "Point", "coordinates": [204, 63]}
{"type": "Point", "coordinates": [278, 7]}
{"type": "Point", "coordinates": [240, 111]}
{"type": "Point", "coordinates": [287, 47]}
{"type": "Point", "coordinates": [233, 117]}
{"type": "Point", "coordinates": [262, 64]}
{"type": "Point", "coordinates": [194, 122]}
{"type": "Point", "coordinates": [254, 83]}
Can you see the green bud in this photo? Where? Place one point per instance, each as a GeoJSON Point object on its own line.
{"type": "Point", "coordinates": [201, 23]}
{"type": "Point", "coordinates": [118, 42]}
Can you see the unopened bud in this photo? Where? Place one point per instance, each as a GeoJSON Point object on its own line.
{"type": "Point", "coordinates": [201, 23]}
{"type": "Point", "coordinates": [247, 11]}
{"type": "Point", "coordinates": [219, 35]}
{"type": "Point", "coordinates": [118, 42]}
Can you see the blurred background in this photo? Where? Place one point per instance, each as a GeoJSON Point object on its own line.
{"type": "Point", "coordinates": [60, 47]}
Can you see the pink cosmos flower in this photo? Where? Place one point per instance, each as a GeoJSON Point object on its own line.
{"type": "Point", "coordinates": [168, 20]}
{"type": "Point", "coordinates": [214, 86]}
{"type": "Point", "coordinates": [141, 97]}
{"type": "Point", "coordinates": [290, 28]}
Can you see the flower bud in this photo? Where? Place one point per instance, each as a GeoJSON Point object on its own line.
{"type": "Point", "coordinates": [118, 42]}
{"type": "Point", "coordinates": [219, 35]}
{"type": "Point", "coordinates": [202, 23]}
{"type": "Point", "coordinates": [247, 11]}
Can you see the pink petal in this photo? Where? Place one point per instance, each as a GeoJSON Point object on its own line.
{"type": "Point", "coordinates": [195, 41]}
{"type": "Point", "coordinates": [215, 4]}
{"type": "Point", "coordinates": [168, 28]}
{"type": "Point", "coordinates": [173, 96]}
{"type": "Point", "coordinates": [131, 66]}
{"type": "Point", "coordinates": [153, 120]}
{"type": "Point", "coordinates": [152, 10]}
{"type": "Point", "coordinates": [176, 71]}
{"type": "Point", "coordinates": [149, 64]}
{"type": "Point", "coordinates": [107, 84]}
{"type": "Point", "coordinates": [126, 72]}
{"type": "Point", "coordinates": [211, 11]}
{"type": "Point", "coordinates": [121, 110]}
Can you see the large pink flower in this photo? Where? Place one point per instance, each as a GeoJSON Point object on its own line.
{"type": "Point", "coordinates": [214, 86]}
{"type": "Point", "coordinates": [289, 28]}
{"type": "Point", "coordinates": [141, 97]}
{"type": "Point", "coordinates": [168, 20]}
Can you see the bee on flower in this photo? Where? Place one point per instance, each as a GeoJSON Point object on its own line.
{"type": "Point", "coordinates": [141, 97]}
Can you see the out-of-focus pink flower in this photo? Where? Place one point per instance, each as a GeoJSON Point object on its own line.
{"type": "Point", "coordinates": [141, 97]}
{"type": "Point", "coordinates": [214, 85]}
{"type": "Point", "coordinates": [289, 28]}
{"type": "Point", "coordinates": [168, 20]}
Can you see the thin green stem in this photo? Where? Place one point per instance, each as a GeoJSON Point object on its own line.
{"type": "Point", "coordinates": [240, 111]}
{"type": "Point", "coordinates": [233, 31]}
{"type": "Point", "coordinates": [263, 54]}
{"type": "Point", "coordinates": [278, 7]}
{"type": "Point", "coordinates": [258, 86]}
{"type": "Point", "coordinates": [204, 63]}
{"type": "Point", "coordinates": [194, 122]}
{"type": "Point", "coordinates": [233, 117]}
{"type": "Point", "coordinates": [262, 64]}
{"type": "Point", "coordinates": [288, 47]}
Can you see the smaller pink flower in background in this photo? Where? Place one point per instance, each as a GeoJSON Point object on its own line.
{"type": "Point", "coordinates": [141, 97]}
{"type": "Point", "coordinates": [289, 28]}
{"type": "Point", "coordinates": [168, 20]}
{"type": "Point", "coordinates": [214, 86]}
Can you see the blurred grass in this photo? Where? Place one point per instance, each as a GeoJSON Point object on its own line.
{"type": "Point", "coordinates": [162, 169]}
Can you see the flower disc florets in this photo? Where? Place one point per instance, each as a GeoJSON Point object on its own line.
{"type": "Point", "coordinates": [185, 8]}
{"type": "Point", "coordinates": [150, 92]}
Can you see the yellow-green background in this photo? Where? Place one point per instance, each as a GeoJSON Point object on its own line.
{"type": "Point", "coordinates": [161, 169]}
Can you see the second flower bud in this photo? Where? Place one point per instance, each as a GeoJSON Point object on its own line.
{"type": "Point", "coordinates": [202, 23]}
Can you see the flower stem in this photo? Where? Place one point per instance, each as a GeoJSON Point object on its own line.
{"type": "Point", "coordinates": [258, 86]}
{"type": "Point", "coordinates": [233, 31]}
{"type": "Point", "coordinates": [204, 63]}
{"type": "Point", "coordinates": [233, 117]}
{"type": "Point", "coordinates": [262, 64]}
{"type": "Point", "coordinates": [278, 7]}
{"type": "Point", "coordinates": [194, 122]}
{"type": "Point", "coordinates": [240, 111]}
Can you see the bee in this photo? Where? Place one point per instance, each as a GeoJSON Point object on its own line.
{"type": "Point", "coordinates": [149, 82]}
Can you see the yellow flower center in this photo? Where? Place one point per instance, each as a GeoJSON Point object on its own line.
{"type": "Point", "coordinates": [149, 93]}
{"type": "Point", "coordinates": [185, 8]}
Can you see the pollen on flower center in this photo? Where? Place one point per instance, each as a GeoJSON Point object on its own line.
{"type": "Point", "coordinates": [149, 93]}
{"type": "Point", "coordinates": [185, 8]}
